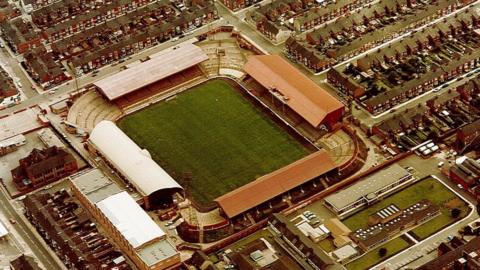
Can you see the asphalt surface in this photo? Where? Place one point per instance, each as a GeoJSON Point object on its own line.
{"type": "Point", "coordinates": [25, 232]}
{"type": "Point", "coordinates": [34, 96]}
{"type": "Point", "coordinates": [425, 250]}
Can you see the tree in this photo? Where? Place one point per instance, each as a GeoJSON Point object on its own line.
{"type": "Point", "coordinates": [382, 252]}
{"type": "Point", "coordinates": [468, 230]}
{"type": "Point", "coordinates": [455, 212]}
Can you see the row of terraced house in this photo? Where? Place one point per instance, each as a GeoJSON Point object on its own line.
{"type": "Point", "coordinates": [412, 66]}
{"type": "Point", "coordinates": [347, 37]}
{"type": "Point", "coordinates": [281, 18]}
{"type": "Point", "coordinates": [90, 34]}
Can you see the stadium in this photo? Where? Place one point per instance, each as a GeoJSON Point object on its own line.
{"type": "Point", "coordinates": [217, 125]}
{"type": "Point", "coordinates": [212, 140]}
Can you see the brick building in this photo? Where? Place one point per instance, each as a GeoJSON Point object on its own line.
{"type": "Point", "coordinates": [466, 172]}
{"type": "Point", "coordinates": [403, 70]}
{"type": "Point", "coordinates": [19, 35]}
{"type": "Point", "coordinates": [127, 224]}
{"type": "Point", "coordinates": [465, 257]}
{"type": "Point", "coordinates": [468, 137]}
{"type": "Point", "coordinates": [43, 166]}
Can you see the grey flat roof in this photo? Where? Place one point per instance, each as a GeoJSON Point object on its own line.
{"type": "Point", "coordinates": [369, 184]}
{"type": "Point", "coordinates": [135, 225]}
{"type": "Point", "coordinates": [95, 185]}
{"type": "Point", "coordinates": [157, 251]}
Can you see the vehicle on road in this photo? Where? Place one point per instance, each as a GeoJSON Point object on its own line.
{"type": "Point", "coordinates": [12, 221]}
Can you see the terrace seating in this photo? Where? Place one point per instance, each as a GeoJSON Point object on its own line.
{"type": "Point", "coordinates": [90, 109]}
{"type": "Point", "coordinates": [340, 146]}
{"type": "Point", "coordinates": [158, 87]}
{"type": "Point", "coordinates": [233, 59]}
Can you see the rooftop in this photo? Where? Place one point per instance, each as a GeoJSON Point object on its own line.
{"type": "Point", "coordinates": [275, 183]}
{"type": "Point", "coordinates": [150, 71]}
{"type": "Point", "coordinates": [95, 185]}
{"type": "Point", "coordinates": [3, 230]}
{"type": "Point", "coordinates": [295, 89]}
{"type": "Point", "coordinates": [130, 160]}
{"type": "Point", "coordinates": [366, 186]}
{"type": "Point", "coordinates": [18, 123]}
{"type": "Point", "coordinates": [136, 226]}
{"type": "Point", "coordinates": [130, 219]}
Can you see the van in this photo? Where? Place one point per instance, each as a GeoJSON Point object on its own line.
{"type": "Point", "coordinates": [440, 164]}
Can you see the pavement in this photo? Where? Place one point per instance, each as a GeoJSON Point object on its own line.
{"type": "Point", "coordinates": [35, 96]}
{"type": "Point", "coordinates": [425, 250]}
{"type": "Point", "coordinates": [28, 234]}
{"type": "Point", "coordinates": [369, 120]}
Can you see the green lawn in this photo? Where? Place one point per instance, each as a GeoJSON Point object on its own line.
{"type": "Point", "coordinates": [214, 133]}
{"type": "Point", "coordinates": [371, 258]}
{"type": "Point", "coordinates": [429, 189]}
{"type": "Point", "coordinates": [327, 244]}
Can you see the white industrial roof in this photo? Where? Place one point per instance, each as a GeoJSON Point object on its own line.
{"type": "Point", "coordinates": [12, 141]}
{"type": "Point", "coordinates": [370, 184]}
{"type": "Point", "coordinates": [130, 219]}
{"type": "Point", "coordinates": [19, 123]}
{"type": "Point", "coordinates": [345, 252]}
{"type": "Point", "coordinates": [130, 160]}
{"type": "Point", "coordinates": [3, 230]}
{"type": "Point", "coordinates": [150, 71]}
{"type": "Point", "coordinates": [95, 185]}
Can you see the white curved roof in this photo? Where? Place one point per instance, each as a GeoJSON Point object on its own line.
{"type": "Point", "coordinates": [129, 159]}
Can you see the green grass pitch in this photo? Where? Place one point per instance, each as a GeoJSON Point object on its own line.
{"type": "Point", "coordinates": [217, 135]}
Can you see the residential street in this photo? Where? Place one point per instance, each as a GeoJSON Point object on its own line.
{"type": "Point", "coordinates": [24, 230]}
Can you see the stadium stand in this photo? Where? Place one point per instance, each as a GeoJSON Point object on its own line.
{"type": "Point", "coordinates": [275, 184]}
{"type": "Point", "coordinates": [292, 89]}
{"type": "Point", "coordinates": [225, 58]}
{"type": "Point", "coordinates": [148, 72]}
{"type": "Point", "coordinates": [134, 164]}
{"type": "Point", "coordinates": [158, 87]}
{"type": "Point", "coordinates": [91, 108]}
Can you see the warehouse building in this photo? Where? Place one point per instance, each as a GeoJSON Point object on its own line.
{"type": "Point", "coordinates": [368, 190]}
{"type": "Point", "coordinates": [132, 229]}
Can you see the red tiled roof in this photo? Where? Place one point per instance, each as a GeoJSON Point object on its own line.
{"type": "Point", "coordinates": [275, 183]}
{"type": "Point", "coordinates": [300, 93]}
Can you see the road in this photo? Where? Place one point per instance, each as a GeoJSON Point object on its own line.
{"type": "Point", "coordinates": [425, 250]}
{"type": "Point", "coordinates": [35, 98]}
{"type": "Point", "coordinates": [368, 120]}
{"type": "Point", "coordinates": [41, 253]}
{"type": "Point", "coordinates": [228, 18]}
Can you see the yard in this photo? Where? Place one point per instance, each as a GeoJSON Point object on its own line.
{"type": "Point", "coordinates": [372, 257]}
{"type": "Point", "coordinates": [214, 134]}
{"type": "Point", "coordinates": [428, 188]}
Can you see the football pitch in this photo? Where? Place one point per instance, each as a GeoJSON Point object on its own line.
{"type": "Point", "coordinates": [214, 134]}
